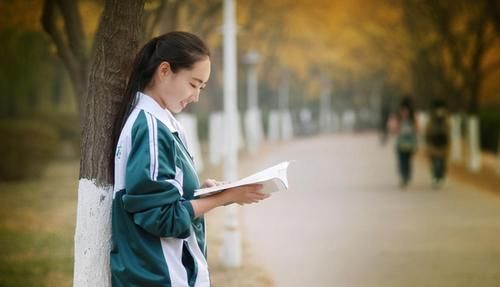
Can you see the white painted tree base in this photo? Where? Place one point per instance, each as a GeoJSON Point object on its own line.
{"type": "Point", "coordinates": [231, 249]}
{"type": "Point", "coordinates": [92, 235]}
{"type": "Point", "coordinates": [422, 122]}
{"type": "Point", "coordinates": [456, 138]}
{"type": "Point", "coordinates": [253, 130]}
{"type": "Point", "coordinates": [474, 146]}
{"type": "Point", "coordinates": [273, 131]}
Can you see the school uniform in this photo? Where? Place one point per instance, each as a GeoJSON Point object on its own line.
{"type": "Point", "coordinates": [156, 239]}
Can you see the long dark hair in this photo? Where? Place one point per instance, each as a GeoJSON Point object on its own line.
{"type": "Point", "coordinates": [180, 49]}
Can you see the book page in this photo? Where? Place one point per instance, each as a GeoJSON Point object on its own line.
{"type": "Point", "coordinates": [273, 179]}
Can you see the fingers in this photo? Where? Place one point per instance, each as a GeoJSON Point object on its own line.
{"type": "Point", "coordinates": [248, 194]}
{"type": "Point", "coordinates": [253, 187]}
{"type": "Point", "coordinates": [255, 196]}
{"type": "Point", "coordinates": [209, 183]}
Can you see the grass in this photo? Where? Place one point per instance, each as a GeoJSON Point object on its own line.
{"type": "Point", "coordinates": [37, 220]}
{"type": "Point", "coordinates": [37, 224]}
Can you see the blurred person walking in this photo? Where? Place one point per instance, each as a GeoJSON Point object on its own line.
{"type": "Point", "coordinates": [385, 113]}
{"type": "Point", "coordinates": [406, 140]}
{"type": "Point", "coordinates": [438, 139]}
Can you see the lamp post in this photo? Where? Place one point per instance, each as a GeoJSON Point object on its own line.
{"type": "Point", "coordinates": [231, 246]}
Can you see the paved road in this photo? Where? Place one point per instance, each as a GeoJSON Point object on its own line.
{"type": "Point", "coordinates": [345, 222]}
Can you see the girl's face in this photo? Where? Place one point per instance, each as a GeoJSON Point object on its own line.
{"type": "Point", "coordinates": [177, 90]}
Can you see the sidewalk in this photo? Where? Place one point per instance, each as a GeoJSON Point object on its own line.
{"type": "Point", "coordinates": [345, 222]}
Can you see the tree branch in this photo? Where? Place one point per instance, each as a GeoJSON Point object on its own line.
{"type": "Point", "coordinates": [151, 20]}
{"type": "Point", "coordinates": [169, 16]}
{"type": "Point", "coordinates": [494, 13]}
{"type": "Point", "coordinates": [48, 23]}
{"type": "Point", "coordinates": [74, 29]}
{"type": "Point", "coordinates": [205, 22]}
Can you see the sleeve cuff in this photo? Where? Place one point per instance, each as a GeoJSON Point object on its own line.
{"type": "Point", "coordinates": [187, 204]}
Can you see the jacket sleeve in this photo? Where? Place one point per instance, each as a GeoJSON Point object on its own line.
{"type": "Point", "coordinates": [154, 184]}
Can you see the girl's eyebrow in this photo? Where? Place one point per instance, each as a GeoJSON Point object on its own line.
{"type": "Point", "coordinates": [199, 80]}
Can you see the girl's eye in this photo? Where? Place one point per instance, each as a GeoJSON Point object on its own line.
{"type": "Point", "coordinates": [193, 85]}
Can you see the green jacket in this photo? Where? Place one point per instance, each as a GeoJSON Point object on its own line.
{"type": "Point", "coordinates": [156, 239]}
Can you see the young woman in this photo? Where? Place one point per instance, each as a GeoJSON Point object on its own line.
{"type": "Point", "coordinates": [406, 140]}
{"type": "Point", "coordinates": [158, 229]}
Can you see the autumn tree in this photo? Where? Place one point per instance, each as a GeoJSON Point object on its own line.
{"type": "Point", "coordinates": [451, 41]}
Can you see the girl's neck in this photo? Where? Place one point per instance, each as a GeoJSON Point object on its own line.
{"type": "Point", "coordinates": [151, 93]}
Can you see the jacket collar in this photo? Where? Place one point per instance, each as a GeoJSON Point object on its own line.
{"type": "Point", "coordinates": [145, 102]}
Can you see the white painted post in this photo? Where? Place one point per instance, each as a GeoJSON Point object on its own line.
{"type": "Point", "coordinates": [273, 131]}
{"type": "Point", "coordinates": [474, 148]}
{"type": "Point", "coordinates": [253, 129]}
{"type": "Point", "coordinates": [422, 121]}
{"type": "Point", "coordinates": [231, 247]}
{"type": "Point", "coordinates": [286, 125]}
{"type": "Point", "coordinates": [348, 120]}
{"type": "Point", "coordinates": [306, 123]}
{"type": "Point", "coordinates": [253, 122]}
{"type": "Point", "coordinates": [456, 138]}
{"type": "Point", "coordinates": [335, 121]}
{"type": "Point", "coordinates": [216, 138]}
{"type": "Point", "coordinates": [240, 141]}
{"type": "Point", "coordinates": [325, 115]}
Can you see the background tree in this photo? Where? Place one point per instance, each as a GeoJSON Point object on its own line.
{"type": "Point", "coordinates": [453, 43]}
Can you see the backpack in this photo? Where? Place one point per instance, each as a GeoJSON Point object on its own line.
{"type": "Point", "coordinates": [438, 134]}
{"type": "Point", "coordinates": [407, 140]}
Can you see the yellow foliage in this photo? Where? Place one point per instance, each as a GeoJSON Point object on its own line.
{"type": "Point", "coordinates": [346, 39]}
{"type": "Point", "coordinates": [23, 15]}
{"type": "Point", "coordinates": [26, 14]}
{"type": "Point", "coordinates": [90, 12]}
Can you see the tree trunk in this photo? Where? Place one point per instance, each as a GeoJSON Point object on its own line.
{"type": "Point", "coordinates": [115, 45]}
{"type": "Point", "coordinates": [476, 75]}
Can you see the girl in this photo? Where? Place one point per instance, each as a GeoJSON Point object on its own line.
{"type": "Point", "coordinates": [406, 141]}
{"type": "Point", "coordinates": [158, 229]}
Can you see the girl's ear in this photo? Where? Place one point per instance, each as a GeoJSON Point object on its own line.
{"type": "Point", "coordinates": [164, 68]}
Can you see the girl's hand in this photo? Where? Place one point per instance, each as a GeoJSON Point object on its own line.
{"type": "Point", "coordinates": [244, 194]}
{"type": "Point", "coordinates": [211, 182]}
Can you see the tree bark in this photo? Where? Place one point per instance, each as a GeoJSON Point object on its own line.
{"type": "Point", "coordinates": [115, 45]}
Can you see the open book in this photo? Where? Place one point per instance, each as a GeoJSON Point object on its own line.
{"type": "Point", "coordinates": [273, 179]}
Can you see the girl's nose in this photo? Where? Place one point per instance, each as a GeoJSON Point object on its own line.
{"type": "Point", "coordinates": [196, 96]}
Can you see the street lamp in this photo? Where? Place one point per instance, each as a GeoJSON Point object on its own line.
{"type": "Point", "coordinates": [231, 247]}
